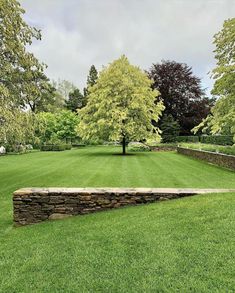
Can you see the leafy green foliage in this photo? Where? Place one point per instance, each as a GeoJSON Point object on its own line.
{"type": "Point", "coordinates": [16, 127]}
{"type": "Point", "coordinates": [64, 88]}
{"type": "Point", "coordinates": [22, 81]}
{"type": "Point", "coordinates": [222, 119]}
{"type": "Point", "coordinates": [57, 147]}
{"type": "Point", "coordinates": [217, 139]}
{"type": "Point", "coordinates": [138, 147]}
{"type": "Point", "coordinates": [54, 127]}
{"type": "Point", "coordinates": [120, 105]}
{"type": "Point", "coordinates": [75, 101]}
{"type": "Point", "coordinates": [169, 127]}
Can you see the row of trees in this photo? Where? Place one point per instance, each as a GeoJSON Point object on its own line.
{"type": "Point", "coordinates": [120, 103]}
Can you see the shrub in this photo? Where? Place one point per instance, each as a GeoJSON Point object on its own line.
{"type": "Point", "coordinates": [29, 147]}
{"type": "Point", "coordinates": [217, 139]}
{"type": "Point", "coordinates": [57, 147]}
{"type": "Point", "coordinates": [138, 147]}
{"type": "Point", "coordinates": [171, 139]}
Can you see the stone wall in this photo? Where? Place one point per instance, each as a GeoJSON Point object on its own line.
{"type": "Point", "coordinates": [33, 205]}
{"type": "Point", "coordinates": [222, 160]}
{"type": "Point", "coordinates": [163, 148]}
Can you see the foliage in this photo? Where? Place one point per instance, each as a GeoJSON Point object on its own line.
{"type": "Point", "coordinates": [120, 105]}
{"type": "Point", "coordinates": [91, 80]}
{"type": "Point", "coordinates": [222, 118]}
{"type": "Point", "coordinates": [228, 150]}
{"type": "Point", "coordinates": [55, 147]}
{"type": "Point", "coordinates": [16, 127]}
{"type": "Point", "coordinates": [138, 147]}
{"type": "Point", "coordinates": [64, 88]}
{"type": "Point", "coordinates": [54, 127]}
{"type": "Point", "coordinates": [175, 139]}
{"type": "Point", "coordinates": [181, 93]}
{"type": "Point", "coordinates": [75, 101]}
{"type": "Point", "coordinates": [169, 127]}
{"type": "Point", "coordinates": [22, 81]}
{"type": "Point", "coordinates": [153, 141]}
{"type": "Point", "coordinates": [217, 139]}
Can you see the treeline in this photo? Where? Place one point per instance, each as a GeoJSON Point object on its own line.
{"type": "Point", "coordinates": [35, 110]}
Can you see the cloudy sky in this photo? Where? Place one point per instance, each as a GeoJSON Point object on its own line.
{"type": "Point", "coordinates": [79, 33]}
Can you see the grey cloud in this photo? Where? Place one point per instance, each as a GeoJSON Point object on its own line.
{"type": "Point", "coordinates": [78, 33]}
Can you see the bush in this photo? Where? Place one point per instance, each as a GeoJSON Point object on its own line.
{"type": "Point", "coordinates": [29, 147]}
{"type": "Point", "coordinates": [171, 139]}
{"type": "Point", "coordinates": [138, 147]}
{"type": "Point", "coordinates": [58, 147]}
{"type": "Point", "coordinates": [217, 139]}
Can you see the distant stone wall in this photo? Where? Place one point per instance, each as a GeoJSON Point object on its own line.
{"type": "Point", "coordinates": [33, 205]}
{"type": "Point", "coordinates": [163, 148]}
{"type": "Point", "coordinates": [222, 160]}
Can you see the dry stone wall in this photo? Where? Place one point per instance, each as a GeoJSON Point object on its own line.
{"type": "Point", "coordinates": [222, 160]}
{"type": "Point", "coordinates": [33, 205]}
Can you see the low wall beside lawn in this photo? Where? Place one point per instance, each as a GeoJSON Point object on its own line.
{"type": "Point", "coordinates": [222, 160]}
{"type": "Point", "coordinates": [33, 205]}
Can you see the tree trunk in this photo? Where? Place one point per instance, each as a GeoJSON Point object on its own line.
{"type": "Point", "coordinates": [123, 145]}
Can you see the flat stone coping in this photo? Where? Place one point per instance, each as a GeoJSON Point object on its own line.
{"type": "Point", "coordinates": [61, 190]}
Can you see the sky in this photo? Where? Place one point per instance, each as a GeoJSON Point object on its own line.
{"type": "Point", "coordinates": [79, 33]}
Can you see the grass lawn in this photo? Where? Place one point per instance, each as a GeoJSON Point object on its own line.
{"type": "Point", "coordinates": [184, 245]}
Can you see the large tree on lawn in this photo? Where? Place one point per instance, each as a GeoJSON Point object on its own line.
{"type": "Point", "coordinates": [181, 93]}
{"type": "Point", "coordinates": [222, 118]}
{"type": "Point", "coordinates": [121, 105]}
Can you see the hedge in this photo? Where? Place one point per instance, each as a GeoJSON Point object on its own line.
{"type": "Point", "coordinates": [58, 147]}
{"type": "Point", "coordinates": [170, 138]}
{"type": "Point", "coordinates": [217, 139]}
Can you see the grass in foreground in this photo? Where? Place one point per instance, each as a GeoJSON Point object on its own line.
{"type": "Point", "coordinates": [185, 245]}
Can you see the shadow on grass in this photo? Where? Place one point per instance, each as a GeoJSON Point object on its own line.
{"type": "Point", "coordinates": [112, 154]}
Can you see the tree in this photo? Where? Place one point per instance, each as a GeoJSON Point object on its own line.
{"type": "Point", "coordinates": [75, 101]}
{"type": "Point", "coordinates": [16, 127]}
{"type": "Point", "coordinates": [56, 126]}
{"type": "Point", "coordinates": [39, 95]}
{"type": "Point", "coordinates": [222, 118]}
{"type": "Point", "coordinates": [91, 80]}
{"type": "Point", "coordinates": [181, 93]}
{"type": "Point", "coordinates": [64, 87]}
{"type": "Point", "coordinates": [120, 106]}
{"type": "Point", "coordinates": [169, 127]}
{"type": "Point", "coordinates": [21, 74]}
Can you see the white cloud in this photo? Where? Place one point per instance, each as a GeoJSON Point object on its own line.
{"type": "Point", "coordinates": [78, 33]}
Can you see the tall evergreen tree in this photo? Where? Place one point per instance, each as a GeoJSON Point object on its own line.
{"type": "Point", "coordinates": [91, 80]}
{"type": "Point", "coordinates": [75, 101]}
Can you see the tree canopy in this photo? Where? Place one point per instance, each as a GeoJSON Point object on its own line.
{"type": "Point", "coordinates": [222, 118]}
{"type": "Point", "coordinates": [21, 74]}
{"type": "Point", "coordinates": [75, 101]}
{"type": "Point", "coordinates": [181, 93]}
{"type": "Point", "coordinates": [121, 105]}
{"type": "Point", "coordinates": [91, 80]}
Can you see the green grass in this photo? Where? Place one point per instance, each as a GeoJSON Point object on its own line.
{"type": "Point", "coordinates": [184, 245]}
